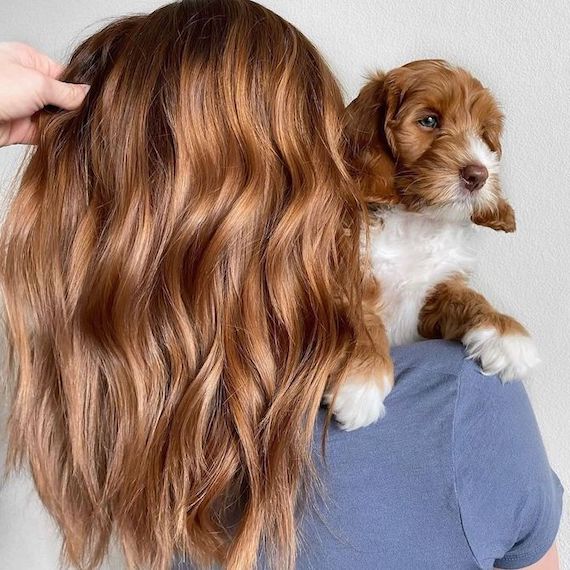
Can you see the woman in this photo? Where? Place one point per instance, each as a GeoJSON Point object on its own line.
{"type": "Point", "coordinates": [115, 240]}
{"type": "Point", "coordinates": [181, 279]}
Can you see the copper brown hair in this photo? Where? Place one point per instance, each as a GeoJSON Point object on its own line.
{"type": "Point", "coordinates": [180, 271]}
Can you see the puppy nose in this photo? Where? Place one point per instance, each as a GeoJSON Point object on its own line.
{"type": "Point", "coordinates": [474, 176]}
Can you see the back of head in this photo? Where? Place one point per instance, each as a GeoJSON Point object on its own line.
{"type": "Point", "coordinates": [179, 267]}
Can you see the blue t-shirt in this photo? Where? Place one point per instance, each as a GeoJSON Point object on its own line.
{"type": "Point", "coordinates": [455, 476]}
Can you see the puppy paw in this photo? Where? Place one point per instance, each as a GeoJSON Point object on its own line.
{"type": "Point", "coordinates": [501, 218]}
{"type": "Point", "coordinates": [510, 356]}
{"type": "Point", "coordinates": [360, 401]}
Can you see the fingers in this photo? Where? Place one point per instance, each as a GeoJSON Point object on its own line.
{"type": "Point", "coordinates": [64, 95]}
{"type": "Point", "coordinates": [29, 57]}
{"type": "Point", "coordinates": [44, 64]}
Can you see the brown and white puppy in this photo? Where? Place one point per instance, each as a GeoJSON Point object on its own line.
{"type": "Point", "coordinates": [426, 144]}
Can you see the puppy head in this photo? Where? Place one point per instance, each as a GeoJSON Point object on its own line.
{"type": "Point", "coordinates": [434, 130]}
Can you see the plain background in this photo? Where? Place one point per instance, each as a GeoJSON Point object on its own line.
{"type": "Point", "coordinates": [521, 50]}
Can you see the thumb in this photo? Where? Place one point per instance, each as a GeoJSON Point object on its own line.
{"type": "Point", "coordinates": [64, 95]}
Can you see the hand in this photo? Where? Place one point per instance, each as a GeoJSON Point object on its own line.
{"type": "Point", "coordinates": [28, 82]}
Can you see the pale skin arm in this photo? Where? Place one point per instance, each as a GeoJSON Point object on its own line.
{"type": "Point", "coordinates": [549, 562]}
{"type": "Point", "coordinates": [29, 82]}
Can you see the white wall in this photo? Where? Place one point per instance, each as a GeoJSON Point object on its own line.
{"type": "Point", "coordinates": [521, 49]}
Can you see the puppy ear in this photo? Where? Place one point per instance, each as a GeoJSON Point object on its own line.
{"type": "Point", "coordinates": [494, 121]}
{"type": "Point", "coordinates": [493, 138]}
{"type": "Point", "coordinates": [363, 116]}
{"type": "Point", "coordinates": [369, 118]}
{"type": "Point", "coordinates": [368, 123]}
{"type": "Point", "coordinates": [500, 218]}
{"type": "Point", "coordinates": [396, 84]}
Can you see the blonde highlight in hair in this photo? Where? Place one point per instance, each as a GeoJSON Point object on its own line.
{"type": "Point", "coordinates": [181, 278]}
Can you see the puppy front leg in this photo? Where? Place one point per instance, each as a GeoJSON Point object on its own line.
{"type": "Point", "coordinates": [359, 400]}
{"type": "Point", "coordinates": [502, 345]}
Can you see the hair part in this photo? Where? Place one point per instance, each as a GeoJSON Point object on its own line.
{"type": "Point", "coordinates": [181, 275]}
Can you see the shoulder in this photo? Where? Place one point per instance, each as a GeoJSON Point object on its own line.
{"type": "Point", "coordinates": [509, 498]}
{"type": "Point", "coordinates": [439, 356]}
{"type": "Point", "coordinates": [458, 449]}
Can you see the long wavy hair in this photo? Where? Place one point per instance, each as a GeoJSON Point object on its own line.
{"type": "Point", "coordinates": [180, 270]}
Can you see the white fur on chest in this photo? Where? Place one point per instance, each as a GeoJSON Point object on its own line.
{"type": "Point", "coordinates": [411, 253]}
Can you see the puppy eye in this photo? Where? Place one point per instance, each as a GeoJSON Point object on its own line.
{"type": "Point", "coordinates": [429, 122]}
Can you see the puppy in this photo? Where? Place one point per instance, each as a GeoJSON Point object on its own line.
{"type": "Point", "coordinates": [426, 145]}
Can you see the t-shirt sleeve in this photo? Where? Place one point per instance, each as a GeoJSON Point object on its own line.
{"type": "Point", "coordinates": [509, 498]}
